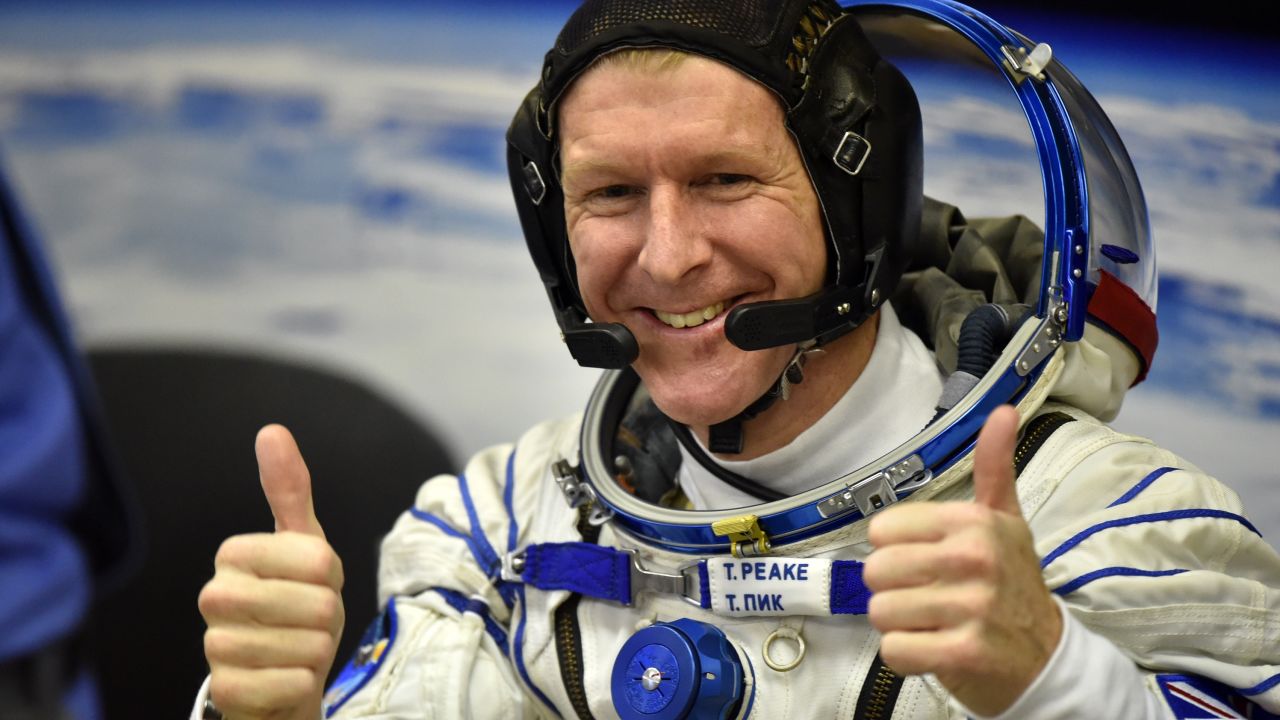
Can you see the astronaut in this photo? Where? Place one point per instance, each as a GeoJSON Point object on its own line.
{"type": "Point", "coordinates": [777, 502]}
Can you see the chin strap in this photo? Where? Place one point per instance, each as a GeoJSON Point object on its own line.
{"type": "Point", "coordinates": [725, 438]}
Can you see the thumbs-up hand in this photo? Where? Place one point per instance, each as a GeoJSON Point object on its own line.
{"type": "Point", "coordinates": [957, 585]}
{"type": "Point", "coordinates": [274, 605]}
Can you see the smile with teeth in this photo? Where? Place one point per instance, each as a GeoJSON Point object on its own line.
{"type": "Point", "coordinates": [690, 319]}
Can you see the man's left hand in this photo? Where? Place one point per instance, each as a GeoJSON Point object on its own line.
{"type": "Point", "coordinates": [957, 585]}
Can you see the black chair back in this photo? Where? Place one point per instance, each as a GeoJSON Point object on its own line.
{"type": "Point", "coordinates": [183, 421]}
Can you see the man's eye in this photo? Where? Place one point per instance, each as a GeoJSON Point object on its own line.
{"type": "Point", "coordinates": [613, 192]}
{"type": "Point", "coordinates": [729, 178]}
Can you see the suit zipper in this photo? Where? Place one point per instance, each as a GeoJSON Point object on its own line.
{"type": "Point", "coordinates": [879, 692]}
{"type": "Point", "coordinates": [569, 635]}
{"type": "Point", "coordinates": [1034, 437]}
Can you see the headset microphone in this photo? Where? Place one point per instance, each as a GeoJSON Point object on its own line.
{"type": "Point", "coordinates": [823, 317]}
{"type": "Point", "coordinates": [601, 345]}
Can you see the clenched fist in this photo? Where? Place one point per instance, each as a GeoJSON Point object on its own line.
{"type": "Point", "coordinates": [274, 605]}
{"type": "Point", "coordinates": [957, 586]}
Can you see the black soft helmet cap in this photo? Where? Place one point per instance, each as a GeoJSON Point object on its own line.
{"type": "Point", "coordinates": [853, 116]}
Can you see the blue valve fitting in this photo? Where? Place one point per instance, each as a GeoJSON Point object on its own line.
{"type": "Point", "coordinates": [680, 669]}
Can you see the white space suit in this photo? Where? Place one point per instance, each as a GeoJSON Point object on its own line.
{"type": "Point", "coordinates": [1144, 549]}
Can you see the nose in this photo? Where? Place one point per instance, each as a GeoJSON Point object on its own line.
{"type": "Point", "coordinates": [675, 244]}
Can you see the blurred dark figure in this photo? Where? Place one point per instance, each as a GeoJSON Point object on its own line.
{"type": "Point", "coordinates": [66, 530]}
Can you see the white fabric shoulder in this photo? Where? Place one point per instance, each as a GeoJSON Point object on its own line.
{"type": "Point", "coordinates": [459, 525]}
{"type": "Point", "coordinates": [1156, 556]}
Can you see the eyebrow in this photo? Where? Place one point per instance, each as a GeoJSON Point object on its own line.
{"type": "Point", "coordinates": [604, 166]}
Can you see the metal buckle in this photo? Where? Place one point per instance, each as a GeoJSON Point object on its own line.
{"type": "Point", "coordinates": [1051, 330]}
{"type": "Point", "coordinates": [578, 492]}
{"type": "Point", "coordinates": [852, 153]}
{"type": "Point", "coordinates": [534, 183]}
{"type": "Point", "coordinates": [600, 513]}
{"type": "Point", "coordinates": [513, 567]}
{"type": "Point", "coordinates": [878, 491]}
{"type": "Point", "coordinates": [685, 582]}
{"type": "Point", "coordinates": [1022, 64]}
{"type": "Point", "coordinates": [570, 483]}
{"type": "Point", "coordinates": [874, 493]}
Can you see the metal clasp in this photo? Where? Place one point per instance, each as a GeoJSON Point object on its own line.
{"type": "Point", "coordinates": [1022, 64]}
{"type": "Point", "coordinates": [578, 492]}
{"type": "Point", "coordinates": [600, 513]}
{"type": "Point", "coordinates": [533, 182]}
{"type": "Point", "coordinates": [571, 485]}
{"type": "Point", "coordinates": [746, 538]}
{"type": "Point", "coordinates": [874, 493]}
{"type": "Point", "coordinates": [878, 491]}
{"type": "Point", "coordinates": [513, 567]}
{"type": "Point", "coordinates": [1051, 330]}
{"type": "Point", "coordinates": [685, 582]}
{"type": "Point", "coordinates": [852, 153]}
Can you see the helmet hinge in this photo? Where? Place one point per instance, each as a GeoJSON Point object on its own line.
{"type": "Point", "coordinates": [1051, 330]}
{"type": "Point", "coordinates": [1021, 64]}
{"type": "Point", "coordinates": [746, 538]}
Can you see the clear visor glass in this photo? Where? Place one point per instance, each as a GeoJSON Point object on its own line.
{"type": "Point", "coordinates": [981, 154]}
{"type": "Point", "coordinates": [1119, 230]}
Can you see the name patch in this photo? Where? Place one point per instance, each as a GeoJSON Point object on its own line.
{"type": "Point", "coordinates": [769, 586]}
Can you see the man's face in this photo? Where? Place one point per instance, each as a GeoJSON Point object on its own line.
{"type": "Point", "coordinates": [684, 197]}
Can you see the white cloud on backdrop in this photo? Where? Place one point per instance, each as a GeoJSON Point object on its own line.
{"type": "Point", "coordinates": [357, 93]}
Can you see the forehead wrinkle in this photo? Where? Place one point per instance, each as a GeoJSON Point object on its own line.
{"type": "Point", "coordinates": [749, 127]}
{"type": "Point", "coordinates": [735, 150]}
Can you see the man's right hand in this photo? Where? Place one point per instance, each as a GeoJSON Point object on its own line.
{"type": "Point", "coordinates": [274, 605]}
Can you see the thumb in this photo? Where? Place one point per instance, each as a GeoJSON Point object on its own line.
{"type": "Point", "coordinates": [286, 481]}
{"type": "Point", "coordinates": [993, 481]}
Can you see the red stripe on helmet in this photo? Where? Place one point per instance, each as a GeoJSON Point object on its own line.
{"type": "Point", "coordinates": [1123, 312]}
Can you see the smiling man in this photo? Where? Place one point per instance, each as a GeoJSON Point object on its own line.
{"type": "Point", "coordinates": [685, 197]}
{"type": "Point", "coordinates": [777, 503]}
